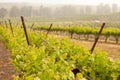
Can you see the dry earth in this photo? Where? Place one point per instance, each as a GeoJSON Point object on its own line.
{"type": "Point", "coordinates": [6, 68]}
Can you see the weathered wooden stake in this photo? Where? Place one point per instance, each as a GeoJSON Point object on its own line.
{"type": "Point", "coordinates": [106, 38]}
{"type": "Point", "coordinates": [117, 39]}
{"type": "Point", "coordinates": [11, 26]}
{"type": "Point", "coordinates": [49, 29]}
{"type": "Point", "coordinates": [32, 25]}
{"type": "Point", "coordinates": [77, 70]}
{"type": "Point", "coordinates": [25, 31]}
{"type": "Point", "coordinates": [97, 37]}
{"type": "Point", "coordinates": [6, 24]}
{"type": "Point", "coordinates": [2, 24]}
{"type": "Point", "coordinates": [71, 34]}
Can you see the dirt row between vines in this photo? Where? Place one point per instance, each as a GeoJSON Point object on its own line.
{"type": "Point", "coordinates": [6, 68]}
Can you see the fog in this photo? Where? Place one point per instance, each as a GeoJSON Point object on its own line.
{"type": "Point", "coordinates": [73, 2]}
{"type": "Point", "coordinates": [61, 9]}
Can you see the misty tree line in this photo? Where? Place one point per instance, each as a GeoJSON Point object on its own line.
{"type": "Point", "coordinates": [60, 11]}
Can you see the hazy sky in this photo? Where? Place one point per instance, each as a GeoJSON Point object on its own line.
{"type": "Point", "coordinates": [84, 2]}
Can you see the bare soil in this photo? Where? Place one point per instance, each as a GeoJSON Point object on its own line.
{"type": "Point", "coordinates": [113, 50]}
{"type": "Point", "coordinates": [6, 68]}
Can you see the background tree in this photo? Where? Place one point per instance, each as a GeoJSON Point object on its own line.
{"type": "Point", "coordinates": [114, 8]}
{"type": "Point", "coordinates": [65, 11]}
{"type": "Point", "coordinates": [45, 11]}
{"type": "Point", "coordinates": [3, 12]}
{"type": "Point", "coordinates": [88, 9]}
{"type": "Point", "coordinates": [14, 12]}
{"type": "Point", "coordinates": [26, 11]}
{"type": "Point", "coordinates": [107, 9]}
{"type": "Point", "coordinates": [81, 10]}
{"type": "Point", "coordinates": [99, 9]}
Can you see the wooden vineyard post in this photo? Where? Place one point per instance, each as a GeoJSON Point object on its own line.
{"type": "Point", "coordinates": [11, 26]}
{"type": "Point", "coordinates": [77, 70]}
{"type": "Point", "coordinates": [49, 29]}
{"type": "Point", "coordinates": [2, 24]}
{"type": "Point", "coordinates": [70, 31]}
{"type": "Point", "coordinates": [6, 24]}
{"type": "Point", "coordinates": [32, 26]}
{"type": "Point", "coordinates": [117, 39]}
{"type": "Point", "coordinates": [97, 37]}
{"type": "Point", "coordinates": [25, 31]}
{"type": "Point", "coordinates": [71, 35]}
